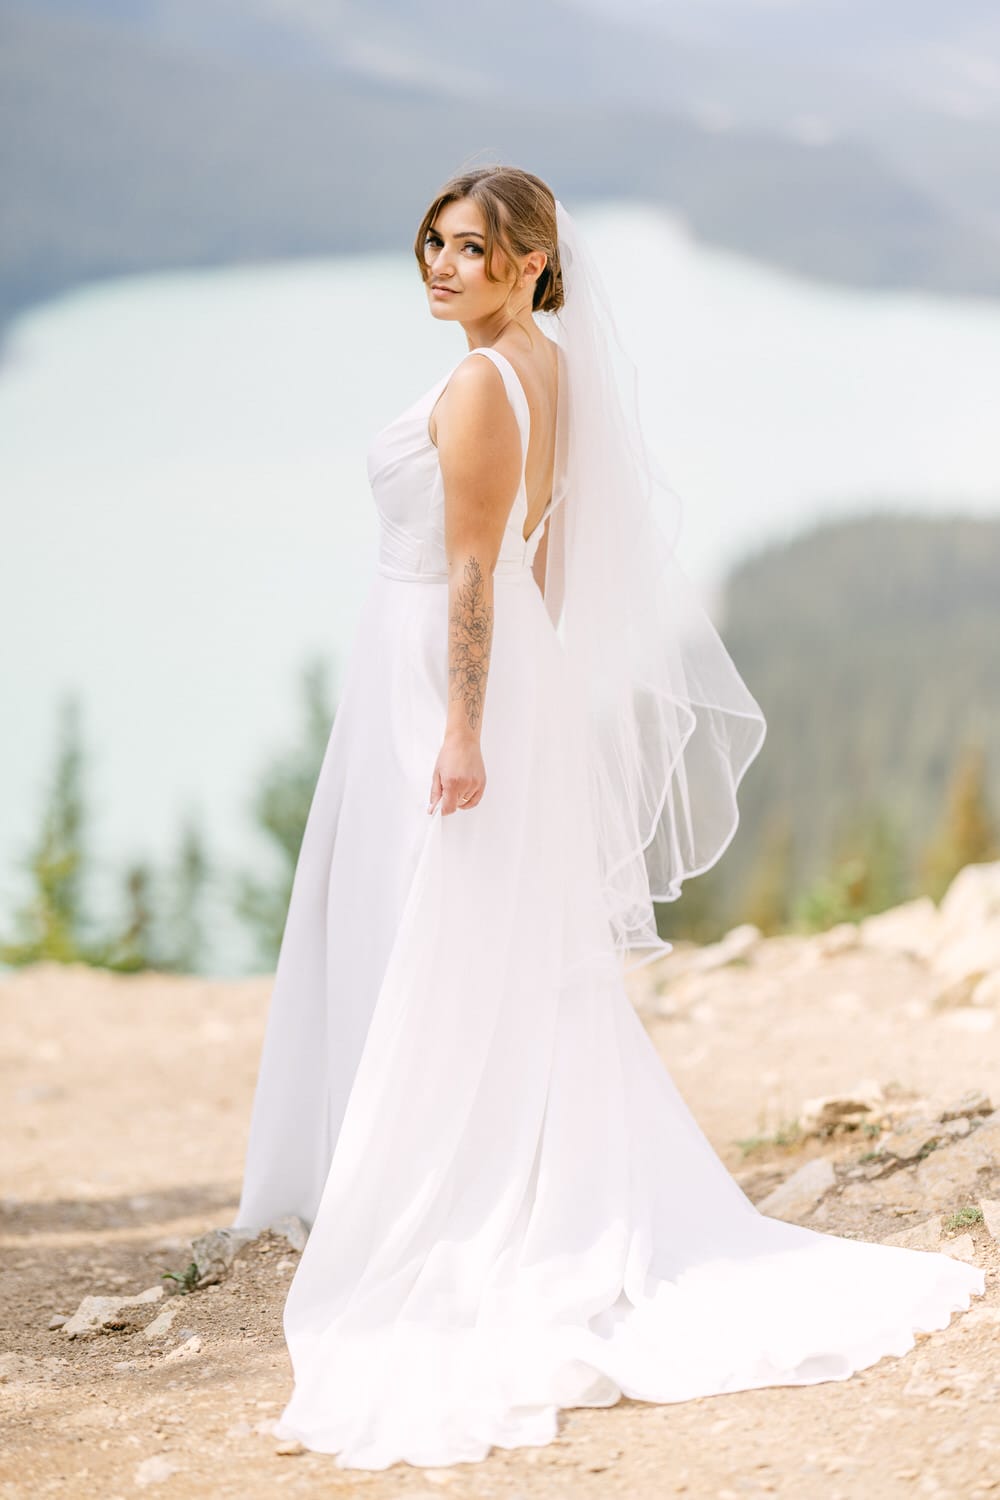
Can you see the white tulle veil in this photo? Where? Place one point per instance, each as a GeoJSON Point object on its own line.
{"type": "Point", "coordinates": [672, 725]}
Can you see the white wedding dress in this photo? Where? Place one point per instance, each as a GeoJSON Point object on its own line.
{"type": "Point", "coordinates": [511, 1208]}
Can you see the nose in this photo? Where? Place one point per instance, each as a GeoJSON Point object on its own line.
{"type": "Point", "coordinates": [440, 270]}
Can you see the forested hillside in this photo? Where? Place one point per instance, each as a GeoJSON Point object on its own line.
{"type": "Point", "coordinates": [873, 647]}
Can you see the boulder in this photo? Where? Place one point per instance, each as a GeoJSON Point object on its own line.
{"type": "Point", "coordinates": [925, 1236]}
{"type": "Point", "coordinates": [972, 1102]}
{"type": "Point", "coordinates": [801, 1192]}
{"type": "Point", "coordinates": [969, 928]}
{"type": "Point", "coordinates": [913, 928]}
{"type": "Point", "coordinates": [823, 1115]}
{"type": "Point", "coordinates": [113, 1314]}
{"type": "Point", "coordinates": [991, 1215]}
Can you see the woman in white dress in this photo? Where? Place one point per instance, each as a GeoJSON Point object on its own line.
{"type": "Point", "coordinates": [511, 1208]}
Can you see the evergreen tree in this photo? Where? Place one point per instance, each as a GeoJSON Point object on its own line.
{"type": "Point", "coordinates": [769, 882]}
{"type": "Point", "coordinates": [53, 924]}
{"type": "Point", "coordinates": [281, 808]}
{"type": "Point", "coordinates": [967, 833]}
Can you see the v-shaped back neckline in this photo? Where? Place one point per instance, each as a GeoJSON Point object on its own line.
{"type": "Point", "coordinates": [488, 350]}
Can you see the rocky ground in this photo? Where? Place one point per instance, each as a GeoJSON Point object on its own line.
{"type": "Point", "coordinates": [848, 1080]}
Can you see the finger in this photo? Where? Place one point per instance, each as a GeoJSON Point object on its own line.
{"type": "Point", "coordinates": [449, 799]}
{"type": "Point", "coordinates": [435, 790]}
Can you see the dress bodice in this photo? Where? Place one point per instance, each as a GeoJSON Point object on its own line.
{"type": "Point", "coordinates": [408, 489]}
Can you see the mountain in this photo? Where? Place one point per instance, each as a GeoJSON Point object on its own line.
{"type": "Point", "coordinates": [154, 134]}
{"type": "Point", "coordinates": [871, 646]}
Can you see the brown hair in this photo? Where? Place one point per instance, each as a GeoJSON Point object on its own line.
{"type": "Point", "coordinates": [519, 211]}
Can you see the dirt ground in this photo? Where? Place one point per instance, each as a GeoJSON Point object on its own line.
{"type": "Point", "coordinates": [127, 1106]}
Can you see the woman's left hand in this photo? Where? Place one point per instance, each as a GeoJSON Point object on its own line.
{"type": "Point", "coordinates": [459, 778]}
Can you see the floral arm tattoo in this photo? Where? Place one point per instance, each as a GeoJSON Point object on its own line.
{"type": "Point", "coordinates": [471, 636]}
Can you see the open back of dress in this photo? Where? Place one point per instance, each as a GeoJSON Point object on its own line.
{"type": "Point", "coordinates": [512, 1209]}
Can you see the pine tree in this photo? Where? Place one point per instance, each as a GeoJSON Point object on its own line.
{"type": "Point", "coordinates": [967, 833]}
{"type": "Point", "coordinates": [52, 924]}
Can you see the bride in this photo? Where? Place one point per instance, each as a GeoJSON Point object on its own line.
{"type": "Point", "coordinates": [511, 1209]}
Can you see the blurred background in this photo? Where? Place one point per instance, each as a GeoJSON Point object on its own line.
{"type": "Point", "coordinates": [209, 303]}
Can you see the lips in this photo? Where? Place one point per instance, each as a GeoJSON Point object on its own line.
{"type": "Point", "coordinates": [437, 288]}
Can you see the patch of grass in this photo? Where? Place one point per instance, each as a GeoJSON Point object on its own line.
{"type": "Point", "coordinates": [188, 1278]}
{"type": "Point", "coordinates": [786, 1137]}
{"type": "Point", "coordinates": [870, 1156]}
{"type": "Point", "coordinates": [965, 1216]}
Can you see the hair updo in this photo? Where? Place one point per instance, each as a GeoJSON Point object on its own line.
{"type": "Point", "coordinates": [519, 211]}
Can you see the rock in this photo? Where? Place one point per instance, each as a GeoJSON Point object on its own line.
{"type": "Point", "coordinates": [801, 1192]}
{"type": "Point", "coordinates": [57, 1320]}
{"type": "Point", "coordinates": [973, 1102]}
{"type": "Point", "coordinates": [987, 990]}
{"type": "Point", "coordinates": [114, 1314]}
{"type": "Point", "coordinates": [957, 1127]}
{"type": "Point", "coordinates": [955, 993]}
{"type": "Point", "coordinates": [187, 1350]}
{"type": "Point", "coordinates": [837, 939]}
{"type": "Point", "coordinates": [292, 1228]}
{"type": "Point", "coordinates": [959, 1174]}
{"type": "Point", "coordinates": [925, 1236]}
{"type": "Point", "coordinates": [912, 928]}
{"type": "Point", "coordinates": [154, 1470]}
{"type": "Point", "coordinates": [969, 942]}
{"type": "Point", "coordinates": [288, 1447]}
{"type": "Point", "coordinates": [912, 1143]}
{"type": "Point", "coordinates": [822, 1115]}
{"type": "Point", "coordinates": [734, 948]}
{"type": "Point", "coordinates": [972, 899]}
{"type": "Point", "coordinates": [961, 1247]}
{"type": "Point", "coordinates": [991, 1215]}
{"type": "Point", "coordinates": [214, 1253]}
{"type": "Point", "coordinates": [161, 1323]}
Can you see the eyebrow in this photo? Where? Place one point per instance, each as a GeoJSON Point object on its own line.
{"type": "Point", "coordinates": [462, 234]}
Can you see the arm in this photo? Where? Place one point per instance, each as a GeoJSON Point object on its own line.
{"type": "Point", "coordinates": [479, 449]}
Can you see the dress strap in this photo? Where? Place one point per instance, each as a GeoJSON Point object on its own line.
{"type": "Point", "coordinates": [515, 392]}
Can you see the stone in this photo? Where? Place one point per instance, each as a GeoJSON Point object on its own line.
{"type": "Point", "coordinates": [961, 1247]}
{"type": "Point", "coordinates": [912, 927]}
{"type": "Point", "coordinates": [991, 1215]}
{"type": "Point", "coordinates": [187, 1350]}
{"type": "Point", "coordinates": [734, 948]}
{"type": "Point", "coordinates": [973, 897]}
{"type": "Point", "coordinates": [970, 924]}
{"type": "Point", "coordinates": [911, 1143]}
{"type": "Point", "coordinates": [973, 1102]}
{"type": "Point", "coordinates": [925, 1236]}
{"type": "Point", "coordinates": [801, 1192]}
{"type": "Point", "coordinates": [161, 1323]}
{"type": "Point", "coordinates": [214, 1253]}
{"type": "Point", "coordinates": [822, 1115]}
{"type": "Point", "coordinates": [289, 1447]}
{"type": "Point", "coordinates": [987, 990]}
{"type": "Point", "coordinates": [292, 1228]}
{"type": "Point", "coordinates": [112, 1314]}
{"type": "Point", "coordinates": [840, 938]}
{"type": "Point", "coordinates": [954, 993]}
{"type": "Point", "coordinates": [959, 1174]}
{"type": "Point", "coordinates": [57, 1320]}
{"type": "Point", "coordinates": [154, 1470]}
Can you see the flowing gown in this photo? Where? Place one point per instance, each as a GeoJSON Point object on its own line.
{"type": "Point", "coordinates": [511, 1208]}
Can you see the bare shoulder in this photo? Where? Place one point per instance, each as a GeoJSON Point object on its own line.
{"type": "Point", "coordinates": [474, 402]}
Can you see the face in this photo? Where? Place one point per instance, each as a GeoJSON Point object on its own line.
{"type": "Point", "coordinates": [455, 254]}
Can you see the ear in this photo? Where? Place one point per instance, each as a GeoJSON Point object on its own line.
{"type": "Point", "coordinates": [534, 265]}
